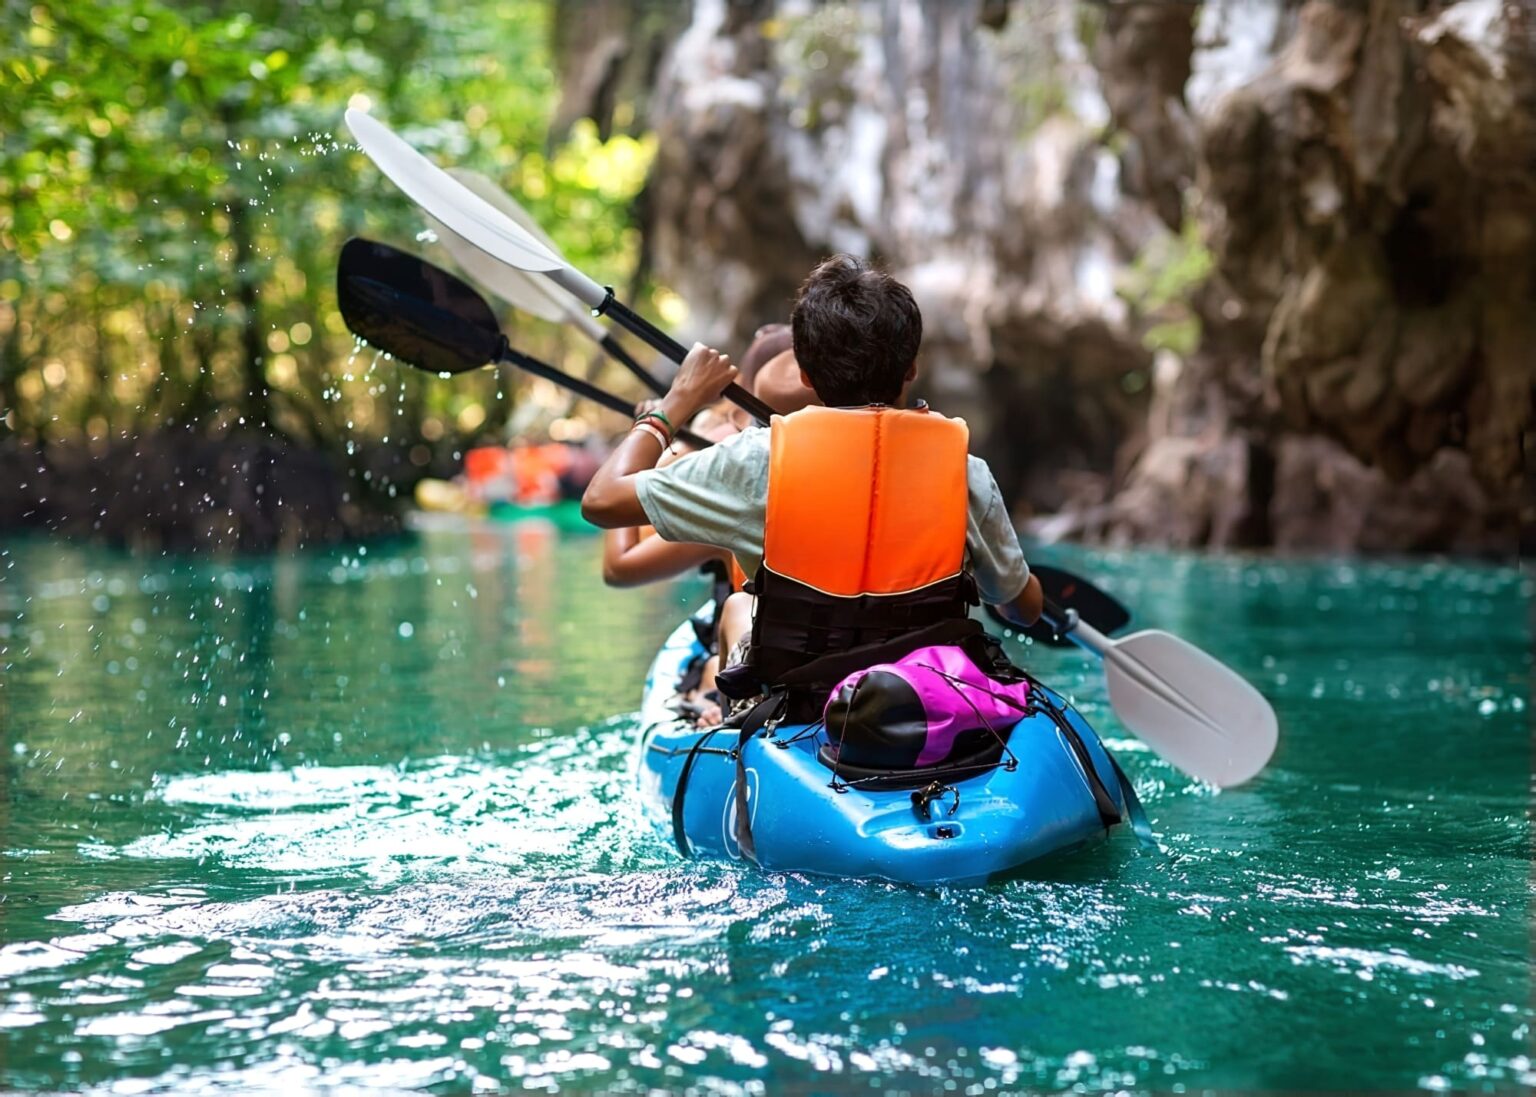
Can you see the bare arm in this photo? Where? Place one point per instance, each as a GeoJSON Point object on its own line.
{"type": "Point", "coordinates": [630, 560]}
{"type": "Point", "coordinates": [611, 499]}
{"type": "Point", "coordinates": [1025, 609]}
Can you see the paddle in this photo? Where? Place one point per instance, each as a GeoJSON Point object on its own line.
{"type": "Point", "coordinates": [480, 223]}
{"type": "Point", "coordinates": [532, 293]}
{"type": "Point", "coordinates": [430, 319]}
{"type": "Point", "coordinates": [1093, 605]}
{"type": "Point", "coordinates": [1195, 711]}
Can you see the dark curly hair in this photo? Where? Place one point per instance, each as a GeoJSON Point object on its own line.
{"type": "Point", "coordinates": [856, 333]}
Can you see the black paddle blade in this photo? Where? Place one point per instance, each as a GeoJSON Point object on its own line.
{"type": "Point", "coordinates": [414, 311]}
{"type": "Point", "coordinates": [1069, 591]}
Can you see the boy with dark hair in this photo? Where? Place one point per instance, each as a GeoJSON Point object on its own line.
{"type": "Point", "coordinates": [856, 334]}
{"type": "Point", "coordinates": [864, 525]}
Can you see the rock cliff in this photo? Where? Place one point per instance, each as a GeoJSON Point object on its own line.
{"type": "Point", "coordinates": [1232, 273]}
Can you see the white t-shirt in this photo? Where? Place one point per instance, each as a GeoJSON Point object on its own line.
{"type": "Point", "coordinates": [719, 496]}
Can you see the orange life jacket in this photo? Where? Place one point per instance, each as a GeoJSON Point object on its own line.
{"type": "Point", "coordinates": [864, 541]}
{"type": "Point", "coordinates": [866, 500]}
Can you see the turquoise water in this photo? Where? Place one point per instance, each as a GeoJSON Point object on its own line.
{"type": "Point", "coordinates": [364, 819]}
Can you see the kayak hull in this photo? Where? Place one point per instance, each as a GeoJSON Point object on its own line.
{"type": "Point", "coordinates": [802, 821]}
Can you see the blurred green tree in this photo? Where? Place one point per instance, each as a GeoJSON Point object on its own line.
{"type": "Point", "coordinates": [175, 182]}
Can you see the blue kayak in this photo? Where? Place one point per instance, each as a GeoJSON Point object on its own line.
{"type": "Point", "coordinates": [804, 818]}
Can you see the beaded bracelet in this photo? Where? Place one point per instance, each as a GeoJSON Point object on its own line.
{"type": "Point", "coordinates": [650, 420]}
{"type": "Point", "coordinates": [653, 432]}
{"type": "Point", "coordinates": [655, 418]}
{"type": "Point", "coordinates": [657, 413]}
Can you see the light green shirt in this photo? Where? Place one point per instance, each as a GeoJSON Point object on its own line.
{"type": "Point", "coordinates": [719, 496]}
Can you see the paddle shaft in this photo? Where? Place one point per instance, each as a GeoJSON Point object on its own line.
{"type": "Point", "coordinates": [541, 298]}
{"type": "Point", "coordinates": [1065, 621]}
{"type": "Point", "coordinates": [597, 395]}
{"type": "Point", "coordinates": [622, 356]}
{"type": "Point", "coordinates": [582, 287]}
{"type": "Point", "coordinates": [650, 334]}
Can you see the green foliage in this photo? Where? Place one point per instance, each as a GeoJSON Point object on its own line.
{"type": "Point", "coordinates": [175, 182]}
{"type": "Point", "coordinates": [1160, 283]}
{"type": "Point", "coordinates": [1182, 336]}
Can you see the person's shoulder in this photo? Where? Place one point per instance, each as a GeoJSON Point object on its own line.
{"type": "Point", "coordinates": [745, 441]}
{"type": "Point", "coordinates": [977, 471]}
{"type": "Point", "coordinates": [743, 454]}
{"type": "Point", "coordinates": [756, 434]}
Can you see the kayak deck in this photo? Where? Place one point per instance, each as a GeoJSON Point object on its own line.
{"type": "Point", "coordinates": [802, 820]}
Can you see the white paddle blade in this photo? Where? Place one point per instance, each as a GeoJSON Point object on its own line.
{"type": "Point", "coordinates": [1192, 709]}
{"type": "Point", "coordinates": [484, 186]}
{"type": "Point", "coordinates": [532, 293]}
{"type": "Point", "coordinates": [518, 288]}
{"type": "Point", "coordinates": [445, 198]}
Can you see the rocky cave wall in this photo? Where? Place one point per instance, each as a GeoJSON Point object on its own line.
{"type": "Point", "coordinates": [1232, 273]}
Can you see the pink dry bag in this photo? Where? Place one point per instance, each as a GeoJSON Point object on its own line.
{"type": "Point", "coordinates": [926, 708]}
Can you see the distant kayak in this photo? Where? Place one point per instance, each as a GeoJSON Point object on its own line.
{"type": "Point", "coordinates": [564, 516]}
{"type": "Point", "coordinates": [1054, 789]}
{"type": "Point", "coordinates": [565, 513]}
{"type": "Point", "coordinates": [447, 498]}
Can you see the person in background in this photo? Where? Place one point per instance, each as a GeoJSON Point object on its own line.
{"type": "Point", "coordinates": [769, 343]}
{"type": "Point", "coordinates": [633, 555]}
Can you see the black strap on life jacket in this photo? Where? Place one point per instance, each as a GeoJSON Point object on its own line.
{"type": "Point", "coordinates": [831, 668]}
{"type": "Point", "coordinates": [796, 627]}
{"type": "Point", "coordinates": [795, 623]}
